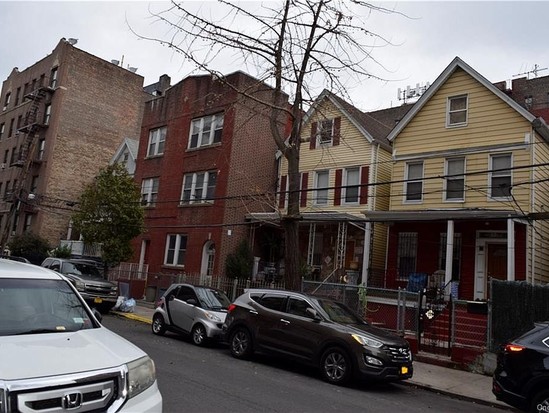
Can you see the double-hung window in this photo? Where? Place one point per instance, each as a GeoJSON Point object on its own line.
{"type": "Point", "coordinates": [176, 246]}
{"type": "Point", "coordinates": [455, 179]}
{"type": "Point", "coordinates": [53, 78]}
{"type": "Point", "coordinates": [47, 114]}
{"type": "Point", "coordinates": [351, 185]}
{"type": "Point", "coordinates": [149, 191]}
{"type": "Point", "coordinates": [199, 187]}
{"type": "Point", "coordinates": [321, 188]}
{"type": "Point", "coordinates": [414, 181]}
{"type": "Point", "coordinates": [157, 140]}
{"type": "Point", "coordinates": [457, 111]}
{"type": "Point", "coordinates": [206, 131]}
{"type": "Point", "coordinates": [500, 176]}
{"type": "Point", "coordinates": [325, 132]}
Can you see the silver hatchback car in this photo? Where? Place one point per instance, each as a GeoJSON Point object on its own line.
{"type": "Point", "coordinates": [189, 309]}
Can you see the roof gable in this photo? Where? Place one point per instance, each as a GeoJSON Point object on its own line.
{"type": "Point", "coordinates": [456, 64]}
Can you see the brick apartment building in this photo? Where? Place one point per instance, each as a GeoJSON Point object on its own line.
{"type": "Point", "coordinates": [61, 120]}
{"type": "Point", "coordinates": [205, 153]}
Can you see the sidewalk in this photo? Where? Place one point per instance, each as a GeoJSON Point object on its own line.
{"type": "Point", "coordinates": [458, 383]}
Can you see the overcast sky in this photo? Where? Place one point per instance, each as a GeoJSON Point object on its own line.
{"type": "Point", "coordinates": [498, 39]}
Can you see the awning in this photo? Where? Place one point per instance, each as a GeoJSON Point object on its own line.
{"type": "Point", "coordinates": [442, 215]}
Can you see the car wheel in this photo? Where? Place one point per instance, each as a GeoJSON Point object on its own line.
{"type": "Point", "coordinates": [241, 343]}
{"type": "Point", "coordinates": [335, 366]}
{"type": "Point", "coordinates": [198, 335]}
{"type": "Point", "coordinates": [540, 402]}
{"type": "Point", "coordinates": [158, 325]}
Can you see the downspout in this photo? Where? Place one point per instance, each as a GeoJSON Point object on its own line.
{"type": "Point", "coordinates": [449, 255]}
{"type": "Point", "coordinates": [531, 226]}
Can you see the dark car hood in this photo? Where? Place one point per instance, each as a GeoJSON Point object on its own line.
{"type": "Point", "coordinates": [89, 279]}
{"type": "Point", "coordinates": [376, 333]}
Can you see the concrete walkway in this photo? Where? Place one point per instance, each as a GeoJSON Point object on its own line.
{"type": "Point", "coordinates": [457, 383]}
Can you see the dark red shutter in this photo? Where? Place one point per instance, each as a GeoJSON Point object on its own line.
{"type": "Point", "coordinates": [312, 143]}
{"type": "Point", "coordinates": [337, 189]}
{"type": "Point", "coordinates": [282, 193]}
{"type": "Point", "coordinates": [304, 187]}
{"type": "Point", "coordinates": [337, 131]}
{"type": "Point", "coordinates": [364, 185]}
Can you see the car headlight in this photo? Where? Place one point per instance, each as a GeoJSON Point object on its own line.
{"type": "Point", "coordinates": [80, 285]}
{"type": "Point", "coordinates": [141, 376]}
{"type": "Point", "coordinates": [367, 341]}
{"type": "Point", "coordinates": [212, 317]}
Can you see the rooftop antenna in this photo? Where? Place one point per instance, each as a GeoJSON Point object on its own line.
{"type": "Point", "coordinates": [535, 71]}
{"type": "Point", "coordinates": [410, 93]}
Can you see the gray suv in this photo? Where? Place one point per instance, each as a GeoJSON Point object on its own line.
{"type": "Point", "coordinates": [87, 278]}
{"type": "Point", "coordinates": [317, 331]}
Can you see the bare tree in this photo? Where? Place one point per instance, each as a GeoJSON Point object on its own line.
{"type": "Point", "coordinates": [296, 47]}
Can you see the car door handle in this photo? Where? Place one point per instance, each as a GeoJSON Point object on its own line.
{"type": "Point", "coordinates": [284, 321]}
{"type": "Point", "coordinates": [253, 312]}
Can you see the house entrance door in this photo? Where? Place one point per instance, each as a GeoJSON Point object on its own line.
{"type": "Point", "coordinates": [496, 264]}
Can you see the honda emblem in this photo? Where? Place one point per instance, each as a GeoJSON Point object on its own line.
{"type": "Point", "coordinates": [71, 401]}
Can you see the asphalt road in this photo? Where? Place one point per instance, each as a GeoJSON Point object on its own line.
{"type": "Point", "coordinates": [194, 379]}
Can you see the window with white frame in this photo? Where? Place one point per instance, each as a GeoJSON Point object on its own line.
{"type": "Point", "coordinates": [407, 254]}
{"type": "Point", "coordinates": [47, 114]}
{"type": "Point", "coordinates": [351, 185]}
{"type": "Point", "coordinates": [325, 132]}
{"type": "Point", "coordinates": [176, 247]}
{"type": "Point", "coordinates": [500, 175]}
{"type": "Point", "coordinates": [199, 187]}
{"type": "Point", "coordinates": [157, 140]}
{"type": "Point", "coordinates": [457, 111]}
{"type": "Point", "coordinates": [53, 78]}
{"type": "Point", "coordinates": [414, 181]}
{"type": "Point", "coordinates": [28, 223]}
{"type": "Point", "coordinates": [7, 101]}
{"type": "Point", "coordinates": [206, 131]}
{"type": "Point", "coordinates": [321, 188]}
{"type": "Point", "coordinates": [149, 191]}
{"type": "Point", "coordinates": [455, 179]}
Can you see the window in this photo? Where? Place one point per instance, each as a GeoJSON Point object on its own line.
{"type": "Point", "coordinates": [273, 301]}
{"type": "Point", "coordinates": [500, 179]}
{"type": "Point", "coordinates": [414, 184]}
{"type": "Point", "coordinates": [149, 191]}
{"type": "Point", "coordinates": [2, 128]}
{"type": "Point", "coordinates": [7, 100]}
{"type": "Point", "coordinates": [457, 111]}
{"type": "Point", "coordinates": [325, 132]}
{"type": "Point", "coordinates": [17, 96]}
{"type": "Point", "coordinates": [456, 263]}
{"type": "Point", "coordinates": [176, 247]}
{"type": "Point", "coordinates": [47, 114]}
{"type": "Point", "coordinates": [10, 131]}
{"type": "Point", "coordinates": [351, 185]}
{"type": "Point", "coordinates": [157, 139]}
{"type": "Point", "coordinates": [19, 122]}
{"type": "Point", "coordinates": [321, 188]}
{"type": "Point", "coordinates": [455, 179]}
{"type": "Point", "coordinates": [34, 184]}
{"type": "Point", "coordinates": [199, 187]}
{"type": "Point", "coordinates": [53, 78]}
{"type": "Point", "coordinates": [407, 253]}
{"type": "Point", "coordinates": [299, 307]}
{"type": "Point", "coordinates": [206, 131]}
{"type": "Point", "coordinates": [41, 147]}
{"type": "Point", "coordinates": [28, 223]}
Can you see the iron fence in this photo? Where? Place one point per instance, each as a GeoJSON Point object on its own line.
{"type": "Point", "coordinates": [470, 324]}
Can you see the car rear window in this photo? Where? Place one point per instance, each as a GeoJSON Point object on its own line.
{"type": "Point", "coordinates": [273, 301]}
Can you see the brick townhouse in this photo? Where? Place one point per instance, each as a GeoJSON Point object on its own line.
{"type": "Point", "coordinates": [205, 160]}
{"type": "Point", "coordinates": [61, 120]}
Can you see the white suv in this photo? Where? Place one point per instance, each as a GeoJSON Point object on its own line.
{"type": "Point", "coordinates": [55, 356]}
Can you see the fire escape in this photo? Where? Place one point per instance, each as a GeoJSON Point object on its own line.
{"type": "Point", "coordinates": [34, 123]}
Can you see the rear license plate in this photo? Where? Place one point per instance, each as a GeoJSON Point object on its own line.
{"type": "Point", "coordinates": [97, 300]}
{"type": "Point", "coordinates": [404, 370]}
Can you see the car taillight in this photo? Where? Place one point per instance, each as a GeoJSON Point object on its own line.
{"type": "Point", "coordinates": [513, 348]}
{"type": "Point", "coordinates": [231, 308]}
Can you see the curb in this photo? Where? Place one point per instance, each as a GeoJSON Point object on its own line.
{"type": "Point", "coordinates": [133, 316]}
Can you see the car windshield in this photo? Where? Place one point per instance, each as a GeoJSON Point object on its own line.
{"type": "Point", "coordinates": [33, 306]}
{"type": "Point", "coordinates": [80, 269]}
{"type": "Point", "coordinates": [212, 299]}
{"type": "Point", "coordinates": [338, 312]}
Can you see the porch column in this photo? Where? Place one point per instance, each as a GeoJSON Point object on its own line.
{"type": "Point", "coordinates": [449, 254]}
{"type": "Point", "coordinates": [366, 253]}
{"type": "Point", "coordinates": [510, 250]}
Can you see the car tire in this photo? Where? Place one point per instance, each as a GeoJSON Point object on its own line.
{"type": "Point", "coordinates": [158, 325]}
{"type": "Point", "coordinates": [540, 402]}
{"type": "Point", "coordinates": [241, 343]}
{"type": "Point", "coordinates": [199, 335]}
{"type": "Point", "coordinates": [335, 366]}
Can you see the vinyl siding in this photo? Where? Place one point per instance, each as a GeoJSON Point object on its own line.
{"type": "Point", "coordinates": [540, 231]}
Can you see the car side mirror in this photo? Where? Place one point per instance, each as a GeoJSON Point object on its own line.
{"type": "Point", "coordinates": [313, 314]}
{"type": "Point", "coordinates": [97, 314]}
{"type": "Point", "coordinates": [192, 301]}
